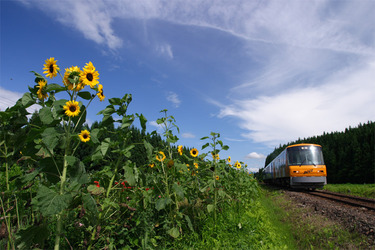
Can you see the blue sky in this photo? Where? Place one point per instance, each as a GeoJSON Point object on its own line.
{"type": "Point", "coordinates": [260, 73]}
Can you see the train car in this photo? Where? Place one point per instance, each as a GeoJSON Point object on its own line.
{"type": "Point", "coordinates": [298, 166]}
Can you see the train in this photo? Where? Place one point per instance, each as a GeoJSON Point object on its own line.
{"type": "Point", "coordinates": [298, 166]}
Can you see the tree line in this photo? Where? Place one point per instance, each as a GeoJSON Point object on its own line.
{"type": "Point", "coordinates": [348, 155]}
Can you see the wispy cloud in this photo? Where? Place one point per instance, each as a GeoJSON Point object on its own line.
{"type": "Point", "coordinates": [308, 111]}
{"type": "Point", "coordinates": [173, 98]}
{"type": "Point", "coordinates": [187, 135]}
{"type": "Point", "coordinates": [165, 50]}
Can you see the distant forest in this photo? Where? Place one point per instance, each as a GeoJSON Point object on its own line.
{"type": "Point", "coordinates": [349, 155]}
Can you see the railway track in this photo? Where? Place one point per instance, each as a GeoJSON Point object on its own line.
{"type": "Point", "coordinates": [346, 199]}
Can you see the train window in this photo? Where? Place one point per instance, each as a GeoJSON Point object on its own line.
{"type": "Point", "coordinates": [305, 155]}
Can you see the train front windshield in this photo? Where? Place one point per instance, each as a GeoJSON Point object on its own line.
{"type": "Point", "coordinates": [305, 155]}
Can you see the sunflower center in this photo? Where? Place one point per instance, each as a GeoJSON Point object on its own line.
{"type": "Point", "coordinates": [51, 68]}
{"type": "Point", "coordinates": [72, 108]}
{"type": "Point", "coordinates": [85, 136]}
{"type": "Point", "coordinates": [90, 77]}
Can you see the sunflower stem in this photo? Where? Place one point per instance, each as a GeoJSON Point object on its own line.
{"type": "Point", "coordinates": [59, 224]}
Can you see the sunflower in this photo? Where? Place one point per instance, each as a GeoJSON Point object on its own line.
{"type": "Point", "coordinates": [100, 92]}
{"type": "Point", "coordinates": [215, 156]}
{"type": "Point", "coordinates": [170, 163]}
{"type": "Point", "coordinates": [151, 165]}
{"type": "Point", "coordinates": [194, 152]}
{"type": "Point", "coordinates": [71, 108]}
{"type": "Point", "coordinates": [162, 158]}
{"type": "Point", "coordinates": [237, 165]}
{"type": "Point", "coordinates": [51, 68]}
{"type": "Point", "coordinates": [196, 165]}
{"type": "Point", "coordinates": [229, 159]}
{"type": "Point", "coordinates": [217, 177]}
{"type": "Point", "coordinates": [89, 76]}
{"type": "Point", "coordinates": [73, 72]}
{"type": "Point", "coordinates": [42, 94]}
{"type": "Point", "coordinates": [179, 149]}
{"type": "Point", "coordinates": [84, 136]}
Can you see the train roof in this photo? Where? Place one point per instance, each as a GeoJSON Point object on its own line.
{"type": "Point", "coordinates": [303, 144]}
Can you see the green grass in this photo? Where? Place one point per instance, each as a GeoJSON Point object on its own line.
{"type": "Point", "coordinates": [252, 228]}
{"type": "Point", "coordinates": [307, 229]}
{"type": "Point", "coordinates": [361, 190]}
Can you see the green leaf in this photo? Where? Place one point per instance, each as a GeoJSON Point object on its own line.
{"type": "Point", "coordinates": [225, 147]}
{"type": "Point", "coordinates": [204, 138]}
{"type": "Point", "coordinates": [27, 100]}
{"type": "Point", "coordinates": [38, 77]}
{"type": "Point", "coordinates": [115, 101]}
{"type": "Point", "coordinates": [129, 175]}
{"type": "Point", "coordinates": [205, 145]}
{"type": "Point", "coordinates": [77, 171]}
{"type": "Point", "coordinates": [108, 111]}
{"type": "Point", "coordinates": [50, 138]}
{"type": "Point", "coordinates": [160, 120]}
{"type": "Point", "coordinates": [149, 148]}
{"type": "Point", "coordinates": [94, 135]}
{"type": "Point", "coordinates": [90, 205]}
{"type": "Point", "coordinates": [85, 95]}
{"type": "Point", "coordinates": [127, 151]}
{"type": "Point", "coordinates": [93, 189]}
{"type": "Point", "coordinates": [32, 235]}
{"type": "Point", "coordinates": [162, 203]}
{"type": "Point", "coordinates": [54, 87]}
{"type": "Point", "coordinates": [49, 202]}
{"type": "Point", "coordinates": [104, 146]}
{"type": "Point", "coordinates": [190, 225]}
{"type": "Point", "coordinates": [210, 208]}
{"type": "Point", "coordinates": [46, 115]}
{"type": "Point", "coordinates": [127, 121]}
{"type": "Point", "coordinates": [174, 232]}
{"type": "Point", "coordinates": [178, 190]}
{"type": "Point", "coordinates": [142, 120]}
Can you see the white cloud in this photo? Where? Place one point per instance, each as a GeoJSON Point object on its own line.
{"type": "Point", "coordinates": [187, 135]}
{"type": "Point", "coordinates": [9, 99]}
{"type": "Point", "coordinates": [255, 155]}
{"type": "Point", "coordinates": [345, 100]}
{"type": "Point", "coordinates": [173, 97]}
{"type": "Point", "coordinates": [165, 50]}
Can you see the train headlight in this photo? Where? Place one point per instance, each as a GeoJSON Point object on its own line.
{"type": "Point", "coordinates": [296, 172]}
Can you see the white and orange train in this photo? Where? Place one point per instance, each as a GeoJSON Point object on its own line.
{"type": "Point", "coordinates": [298, 166]}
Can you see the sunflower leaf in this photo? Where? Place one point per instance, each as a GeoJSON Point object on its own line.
{"type": "Point", "coordinates": [54, 87]}
{"type": "Point", "coordinates": [142, 120]}
{"type": "Point", "coordinates": [127, 121]}
{"type": "Point", "coordinates": [162, 203]}
{"type": "Point", "coordinates": [49, 202]}
{"type": "Point", "coordinates": [174, 232]}
{"type": "Point", "coordinates": [38, 77]}
{"type": "Point", "coordinates": [210, 208]}
{"type": "Point", "coordinates": [178, 190]}
{"type": "Point", "coordinates": [205, 145]}
{"type": "Point", "coordinates": [27, 100]}
{"type": "Point", "coordinates": [115, 101]}
{"type": "Point", "coordinates": [84, 95]}
{"type": "Point", "coordinates": [46, 116]}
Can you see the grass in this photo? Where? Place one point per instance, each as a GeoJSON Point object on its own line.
{"type": "Point", "coordinates": [252, 228]}
{"type": "Point", "coordinates": [361, 190]}
{"type": "Point", "coordinates": [309, 230]}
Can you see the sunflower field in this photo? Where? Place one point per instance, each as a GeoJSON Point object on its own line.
{"type": "Point", "coordinates": [66, 185]}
